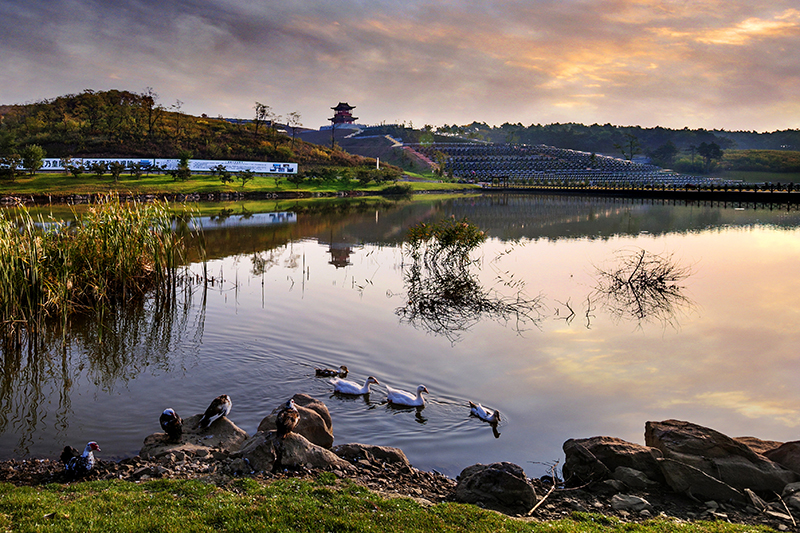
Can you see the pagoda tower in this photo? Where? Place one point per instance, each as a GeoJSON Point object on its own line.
{"type": "Point", "coordinates": [343, 114]}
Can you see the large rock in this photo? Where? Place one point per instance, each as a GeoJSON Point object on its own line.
{"type": "Point", "coordinates": [355, 452]}
{"type": "Point", "coordinates": [315, 420]}
{"type": "Point", "coordinates": [697, 484]}
{"type": "Point", "coordinates": [758, 445]}
{"type": "Point", "coordinates": [266, 452]}
{"type": "Point", "coordinates": [715, 455]}
{"type": "Point", "coordinates": [222, 435]}
{"type": "Point", "coordinates": [791, 495]}
{"type": "Point", "coordinates": [787, 455]}
{"type": "Point", "coordinates": [595, 458]}
{"type": "Point", "coordinates": [499, 486]}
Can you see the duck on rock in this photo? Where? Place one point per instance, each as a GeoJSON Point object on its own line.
{"type": "Point", "coordinates": [401, 397]}
{"type": "Point", "coordinates": [330, 372]}
{"type": "Point", "coordinates": [220, 406]}
{"type": "Point", "coordinates": [171, 423]}
{"type": "Point", "coordinates": [78, 465]}
{"type": "Point", "coordinates": [287, 419]}
{"type": "Point", "coordinates": [345, 386]}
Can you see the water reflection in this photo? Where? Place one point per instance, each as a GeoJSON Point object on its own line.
{"type": "Point", "coordinates": [399, 410]}
{"type": "Point", "coordinates": [446, 298]}
{"type": "Point", "coordinates": [730, 368]}
{"type": "Point", "coordinates": [641, 286]}
{"type": "Point", "coordinates": [109, 351]}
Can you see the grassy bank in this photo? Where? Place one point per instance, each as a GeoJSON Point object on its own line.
{"type": "Point", "coordinates": [59, 184]}
{"type": "Point", "coordinates": [323, 504]}
{"type": "Point", "coordinates": [759, 176]}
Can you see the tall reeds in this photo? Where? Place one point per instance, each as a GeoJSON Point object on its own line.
{"type": "Point", "coordinates": [114, 252]}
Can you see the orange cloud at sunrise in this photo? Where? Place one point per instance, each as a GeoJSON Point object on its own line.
{"type": "Point", "coordinates": [695, 63]}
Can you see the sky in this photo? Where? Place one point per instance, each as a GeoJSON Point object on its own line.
{"type": "Point", "coordinates": [714, 64]}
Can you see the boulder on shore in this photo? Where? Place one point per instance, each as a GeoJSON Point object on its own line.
{"type": "Point", "coordinates": [787, 455]}
{"type": "Point", "coordinates": [315, 420]}
{"type": "Point", "coordinates": [222, 434]}
{"type": "Point", "coordinates": [596, 458]}
{"type": "Point", "coordinates": [264, 451]}
{"type": "Point", "coordinates": [355, 452]}
{"type": "Point", "coordinates": [716, 455]}
{"type": "Point", "coordinates": [499, 486]}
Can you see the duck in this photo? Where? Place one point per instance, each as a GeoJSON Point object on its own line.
{"type": "Point", "coordinates": [80, 464]}
{"type": "Point", "coordinates": [493, 417]}
{"type": "Point", "coordinates": [345, 386]}
{"type": "Point", "coordinates": [330, 372]}
{"type": "Point", "coordinates": [68, 453]}
{"type": "Point", "coordinates": [220, 406]}
{"type": "Point", "coordinates": [401, 397]}
{"type": "Point", "coordinates": [287, 419]}
{"type": "Point", "coordinates": [171, 423]}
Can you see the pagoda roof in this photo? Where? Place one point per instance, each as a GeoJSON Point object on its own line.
{"type": "Point", "coordinates": [343, 106]}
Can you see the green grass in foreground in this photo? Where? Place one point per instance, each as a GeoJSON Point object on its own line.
{"type": "Point", "coordinates": [287, 505]}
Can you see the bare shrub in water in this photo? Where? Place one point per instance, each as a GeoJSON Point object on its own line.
{"type": "Point", "coordinates": [443, 296]}
{"type": "Point", "coordinates": [643, 286]}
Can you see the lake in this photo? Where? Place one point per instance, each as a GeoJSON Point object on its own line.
{"type": "Point", "coordinates": [542, 335]}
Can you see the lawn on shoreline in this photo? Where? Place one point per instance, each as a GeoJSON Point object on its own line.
{"type": "Point", "coordinates": [322, 504]}
{"type": "Point", "coordinates": [60, 184]}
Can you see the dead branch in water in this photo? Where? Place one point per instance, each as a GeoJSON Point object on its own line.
{"type": "Point", "coordinates": [643, 287]}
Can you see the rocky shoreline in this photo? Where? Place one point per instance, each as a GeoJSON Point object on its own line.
{"type": "Point", "coordinates": [685, 472]}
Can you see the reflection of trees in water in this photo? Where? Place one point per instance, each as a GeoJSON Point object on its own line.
{"type": "Point", "coordinates": [113, 348]}
{"type": "Point", "coordinates": [642, 287]}
{"type": "Point", "coordinates": [445, 298]}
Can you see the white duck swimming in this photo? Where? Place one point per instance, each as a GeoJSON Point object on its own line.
{"type": "Point", "coordinates": [483, 413]}
{"type": "Point", "coordinates": [401, 397]}
{"type": "Point", "coordinates": [345, 386]}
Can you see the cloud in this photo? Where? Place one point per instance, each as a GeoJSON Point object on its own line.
{"type": "Point", "coordinates": [700, 63]}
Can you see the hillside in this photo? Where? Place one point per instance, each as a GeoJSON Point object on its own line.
{"type": "Point", "coordinates": [124, 124]}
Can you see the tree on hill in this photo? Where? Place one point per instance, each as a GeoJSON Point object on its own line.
{"type": "Point", "coordinates": [152, 111]}
{"type": "Point", "coordinates": [293, 121]}
{"type": "Point", "coordinates": [710, 153]}
{"type": "Point", "coordinates": [263, 112]}
{"type": "Point", "coordinates": [629, 147]}
{"type": "Point", "coordinates": [665, 154]}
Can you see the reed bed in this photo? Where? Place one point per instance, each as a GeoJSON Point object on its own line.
{"type": "Point", "coordinates": [115, 251]}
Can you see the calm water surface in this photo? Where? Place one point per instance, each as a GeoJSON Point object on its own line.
{"type": "Point", "coordinates": [299, 287]}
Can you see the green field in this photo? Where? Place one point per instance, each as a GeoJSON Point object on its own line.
{"type": "Point", "coordinates": [323, 504]}
{"type": "Point", "coordinates": [755, 176]}
{"type": "Point", "coordinates": [61, 184]}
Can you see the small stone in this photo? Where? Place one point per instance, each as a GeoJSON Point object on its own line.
{"type": "Point", "coordinates": [645, 513]}
{"type": "Point", "coordinates": [577, 506]}
{"type": "Point", "coordinates": [625, 502]}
